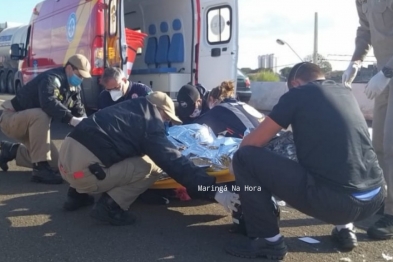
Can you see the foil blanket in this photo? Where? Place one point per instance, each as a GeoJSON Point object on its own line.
{"type": "Point", "coordinates": [204, 148]}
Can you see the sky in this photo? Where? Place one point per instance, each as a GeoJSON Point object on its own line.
{"type": "Point", "coordinates": [261, 22]}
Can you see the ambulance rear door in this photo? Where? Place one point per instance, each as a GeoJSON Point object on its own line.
{"type": "Point", "coordinates": [217, 50]}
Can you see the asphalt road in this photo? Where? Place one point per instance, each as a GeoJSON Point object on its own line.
{"type": "Point", "coordinates": [33, 227]}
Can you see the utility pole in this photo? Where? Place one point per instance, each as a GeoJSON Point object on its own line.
{"type": "Point", "coordinates": [315, 55]}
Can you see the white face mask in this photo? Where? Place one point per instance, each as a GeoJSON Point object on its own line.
{"type": "Point", "coordinates": [116, 94]}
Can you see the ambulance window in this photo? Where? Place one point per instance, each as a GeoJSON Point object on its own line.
{"type": "Point", "coordinates": [219, 25]}
{"type": "Point", "coordinates": [112, 12]}
{"type": "Point", "coordinates": [139, 50]}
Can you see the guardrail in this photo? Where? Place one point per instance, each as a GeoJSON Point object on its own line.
{"type": "Point", "coordinates": [266, 94]}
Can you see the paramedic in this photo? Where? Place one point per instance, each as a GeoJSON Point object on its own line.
{"type": "Point", "coordinates": [190, 104]}
{"type": "Point", "coordinates": [376, 30]}
{"type": "Point", "coordinates": [337, 179]}
{"type": "Point", "coordinates": [227, 116]}
{"type": "Point", "coordinates": [54, 94]}
{"type": "Point", "coordinates": [118, 88]}
{"type": "Point", "coordinates": [112, 153]}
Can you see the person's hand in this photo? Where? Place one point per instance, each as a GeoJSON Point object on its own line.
{"type": "Point", "coordinates": [350, 74]}
{"type": "Point", "coordinates": [376, 85]}
{"type": "Point", "coordinates": [76, 120]}
{"type": "Point", "coordinates": [228, 200]}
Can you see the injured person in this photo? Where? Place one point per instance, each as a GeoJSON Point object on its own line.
{"type": "Point", "coordinates": [337, 178]}
{"type": "Point", "coordinates": [227, 116]}
{"type": "Point", "coordinates": [120, 151]}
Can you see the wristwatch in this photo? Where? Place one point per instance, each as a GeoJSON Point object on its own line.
{"type": "Point", "coordinates": [388, 72]}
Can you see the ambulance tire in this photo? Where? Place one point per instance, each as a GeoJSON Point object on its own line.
{"type": "Point", "coordinates": [10, 83]}
{"type": "Point", "coordinates": [3, 88]}
{"type": "Point", "coordinates": [18, 86]}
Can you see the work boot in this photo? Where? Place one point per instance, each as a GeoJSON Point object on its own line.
{"type": "Point", "coordinates": [107, 210]}
{"type": "Point", "coordinates": [77, 200]}
{"type": "Point", "coordinates": [345, 238]}
{"type": "Point", "coordinates": [382, 229]}
{"type": "Point", "coordinates": [43, 173]}
{"type": "Point", "coordinates": [260, 247]}
{"type": "Point", "coordinates": [8, 153]}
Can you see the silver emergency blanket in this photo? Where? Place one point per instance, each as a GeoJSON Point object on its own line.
{"type": "Point", "coordinates": [198, 142]}
{"type": "Point", "coordinates": [205, 149]}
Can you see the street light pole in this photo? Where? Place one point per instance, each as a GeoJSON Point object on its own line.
{"type": "Point", "coordinates": [315, 55]}
{"type": "Point", "coordinates": [282, 42]}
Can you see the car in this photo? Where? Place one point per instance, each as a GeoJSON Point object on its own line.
{"type": "Point", "coordinates": [243, 90]}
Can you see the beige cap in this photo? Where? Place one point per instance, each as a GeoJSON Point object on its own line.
{"type": "Point", "coordinates": [165, 103]}
{"type": "Point", "coordinates": [82, 64]}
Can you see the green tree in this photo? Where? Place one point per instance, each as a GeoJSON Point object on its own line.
{"type": "Point", "coordinates": [265, 76]}
{"type": "Point", "coordinates": [324, 64]}
{"type": "Point", "coordinates": [285, 71]}
{"type": "Point", "coordinates": [246, 70]}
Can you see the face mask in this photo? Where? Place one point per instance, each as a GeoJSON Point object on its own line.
{"type": "Point", "coordinates": [116, 94]}
{"type": "Point", "coordinates": [196, 113]}
{"type": "Point", "coordinates": [74, 80]}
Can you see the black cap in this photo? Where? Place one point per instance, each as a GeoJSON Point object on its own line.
{"type": "Point", "coordinates": [187, 97]}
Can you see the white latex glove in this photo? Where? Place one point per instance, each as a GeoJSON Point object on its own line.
{"type": "Point", "coordinates": [350, 74]}
{"type": "Point", "coordinates": [76, 120]}
{"type": "Point", "coordinates": [227, 200]}
{"type": "Point", "coordinates": [376, 85]}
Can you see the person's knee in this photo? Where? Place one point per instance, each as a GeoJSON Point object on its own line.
{"type": "Point", "coordinates": [244, 158]}
{"type": "Point", "coordinates": [37, 115]}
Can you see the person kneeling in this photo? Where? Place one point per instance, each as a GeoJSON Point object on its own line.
{"type": "Point", "coordinates": [337, 178]}
{"type": "Point", "coordinates": [120, 150]}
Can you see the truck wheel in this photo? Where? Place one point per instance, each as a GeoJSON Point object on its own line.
{"type": "Point", "coordinates": [10, 83]}
{"type": "Point", "coordinates": [3, 88]}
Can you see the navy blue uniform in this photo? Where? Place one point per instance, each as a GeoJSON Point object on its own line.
{"type": "Point", "coordinates": [230, 118]}
{"type": "Point", "coordinates": [51, 92]}
{"type": "Point", "coordinates": [134, 128]}
{"type": "Point", "coordinates": [135, 90]}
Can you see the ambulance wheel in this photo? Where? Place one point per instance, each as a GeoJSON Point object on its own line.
{"type": "Point", "coordinates": [3, 88]}
{"type": "Point", "coordinates": [10, 83]}
{"type": "Point", "coordinates": [18, 86]}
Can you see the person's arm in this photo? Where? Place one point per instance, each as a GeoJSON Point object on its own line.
{"type": "Point", "coordinates": [49, 102]}
{"type": "Point", "coordinates": [363, 36]}
{"type": "Point", "coordinates": [281, 117]}
{"type": "Point", "coordinates": [266, 130]}
{"type": "Point", "coordinates": [78, 108]}
{"type": "Point", "coordinates": [177, 166]}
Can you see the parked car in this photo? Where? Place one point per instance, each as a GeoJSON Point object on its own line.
{"type": "Point", "coordinates": [243, 90]}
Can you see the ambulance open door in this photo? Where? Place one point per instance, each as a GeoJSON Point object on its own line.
{"type": "Point", "coordinates": [216, 59]}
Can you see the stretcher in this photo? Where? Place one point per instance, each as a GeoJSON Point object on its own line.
{"type": "Point", "coordinates": [222, 176]}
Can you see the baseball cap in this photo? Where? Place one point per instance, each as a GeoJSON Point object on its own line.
{"type": "Point", "coordinates": [165, 103]}
{"type": "Point", "coordinates": [82, 64]}
{"type": "Point", "coordinates": [187, 97]}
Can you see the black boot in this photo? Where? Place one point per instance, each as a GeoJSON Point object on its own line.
{"type": "Point", "coordinates": [43, 173]}
{"type": "Point", "coordinates": [382, 229]}
{"type": "Point", "coordinates": [260, 247]}
{"type": "Point", "coordinates": [345, 238]}
{"type": "Point", "coordinates": [107, 210]}
{"type": "Point", "coordinates": [8, 153]}
{"type": "Point", "coordinates": [77, 200]}
{"type": "Point", "coordinates": [239, 225]}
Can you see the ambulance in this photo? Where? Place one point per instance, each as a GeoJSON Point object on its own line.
{"type": "Point", "coordinates": [185, 41]}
